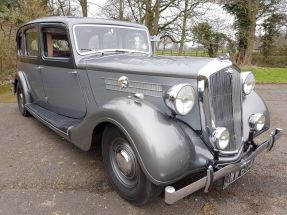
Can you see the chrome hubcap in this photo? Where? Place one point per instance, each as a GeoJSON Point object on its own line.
{"type": "Point", "coordinates": [123, 162]}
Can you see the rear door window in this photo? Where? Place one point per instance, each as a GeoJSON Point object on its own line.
{"type": "Point", "coordinates": [56, 43]}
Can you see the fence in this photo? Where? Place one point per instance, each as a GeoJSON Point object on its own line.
{"type": "Point", "coordinates": [194, 53]}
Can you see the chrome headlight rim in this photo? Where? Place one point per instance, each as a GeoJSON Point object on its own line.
{"type": "Point", "coordinates": [220, 137]}
{"type": "Point", "coordinates": [171, 98]}
{"type": "Point", "coordinates": [248, 82]}
{"type": "Point", "coordinates": [257, 121]}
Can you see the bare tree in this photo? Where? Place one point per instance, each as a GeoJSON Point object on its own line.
{"type": "Point", "coordinates": [188, 12]}
{"type": "Point", "coordinates": [84, 6]}
{"type": "Point", "coordinates": [61, 8]}
{"type": "Point", "coordinates": [147, 12]}
{"type": "Point", "coordinates": [121, 10]}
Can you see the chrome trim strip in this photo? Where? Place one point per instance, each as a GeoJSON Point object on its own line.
{"type": "Point", "coordinates": [171, 195]}
{"type": "Point", "coordinates": [237, 108]}
{"type": "Point", "coordinates": [145, 88]}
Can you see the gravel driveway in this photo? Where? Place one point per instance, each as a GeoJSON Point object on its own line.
{"type": "Point", "coordinates": [40, 173]}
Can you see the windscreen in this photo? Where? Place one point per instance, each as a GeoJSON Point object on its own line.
{"type": "Point", "coordinates": [93, 38]}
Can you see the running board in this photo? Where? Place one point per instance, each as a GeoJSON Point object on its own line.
{"type": "Point", "coordinates": [56, 121]}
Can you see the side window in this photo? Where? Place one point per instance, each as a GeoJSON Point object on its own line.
{"type": "Point", "coordinates": [136, 41]}
{"type": "Point", "coordinates": [20, 45]}
{"type": "Point", "coordinates": [31, 36]}
{"type": "Point", "coordinates": [56, 43]}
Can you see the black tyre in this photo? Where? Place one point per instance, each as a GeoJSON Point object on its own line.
{"type": "Point", "coordinates": [123, 169]}
{"type": "Point", "coordinates": [21, 101]}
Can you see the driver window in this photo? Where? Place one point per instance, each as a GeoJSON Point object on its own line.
{"type": "Point", "coordinates": [56, 43]}
{"type": "Point", "coordinates": [136, 41]}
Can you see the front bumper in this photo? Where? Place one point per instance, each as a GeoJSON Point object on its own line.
{"type": "Point", "coordinates": [172, 195]}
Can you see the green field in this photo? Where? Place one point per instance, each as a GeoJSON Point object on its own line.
{"type": "Point", "coordinates": [268, 75]}
{"type": "Point", "coordinates": [264, 74]}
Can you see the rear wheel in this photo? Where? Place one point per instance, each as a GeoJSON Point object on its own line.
{"type": "Point", "coordinates": [123, 169]}
{"type": "Point", "coordinates": [21, 101]}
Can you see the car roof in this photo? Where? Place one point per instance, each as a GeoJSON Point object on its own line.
{"type": "Point", "coordinates": [71, 20]}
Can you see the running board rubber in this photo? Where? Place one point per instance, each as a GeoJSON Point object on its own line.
{"type": "Point", "coordinates": [58, 121]}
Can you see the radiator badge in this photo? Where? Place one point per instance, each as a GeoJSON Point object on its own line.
{"type": "Point", "coordinates": [123, 82]}
{"type": "Point", "coordinates": [229, 72]}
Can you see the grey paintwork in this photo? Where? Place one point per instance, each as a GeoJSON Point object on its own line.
{"type": "Point", "coordinates": [157, 151]}
{"type": "Point", "coordinates": [64, 93]}
{"type": "Point", "coordinates": [167, 148]}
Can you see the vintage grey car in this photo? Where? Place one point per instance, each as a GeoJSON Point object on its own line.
{"type": "Point", "coordinates": [159, 120]}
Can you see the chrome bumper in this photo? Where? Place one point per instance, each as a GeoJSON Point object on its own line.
{"type": "Point", "coordinates": [172, 195]}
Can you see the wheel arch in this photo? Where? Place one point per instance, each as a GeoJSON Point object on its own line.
{"type": "Point", "coordinates": [98, 133]}
{"type": "Point", "coordinates": [15, 85]}
{"type": "Point", "coordinates": [20, 78]}
{"type": "Point", "coordinates": [164, 150]}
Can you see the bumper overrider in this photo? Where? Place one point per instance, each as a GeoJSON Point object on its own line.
{"type": "Point", "coordinates": [213, 173]}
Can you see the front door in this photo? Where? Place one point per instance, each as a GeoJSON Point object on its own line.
{"type": "Point", "coordinates": [61, 82]}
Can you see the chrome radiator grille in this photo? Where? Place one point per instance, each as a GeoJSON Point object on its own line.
{"type": "Point", "coordinates": [222, 105]}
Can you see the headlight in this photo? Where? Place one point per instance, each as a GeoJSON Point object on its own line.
{"type": "Point", "coordinates": [248, 82]}
{"type": "Point", "coordinates": [257, 121]}
{"type": "Point", "coordinates": [180, 98]}
{"type": "Point", "coordinates": [220, 137]}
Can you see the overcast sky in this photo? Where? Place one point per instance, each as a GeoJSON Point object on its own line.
{"type": "Point", "coordinates": [93, 9]}
{"type": "Point", "coordinates": [221, 20]}
{"type": "Point", "coordinates": [215, 15]}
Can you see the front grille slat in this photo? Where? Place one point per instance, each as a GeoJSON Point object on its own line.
{"type": "Point", "coordinates": [225, 104]}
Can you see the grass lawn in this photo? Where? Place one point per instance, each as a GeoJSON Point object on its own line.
{"type": "Point", "coordinates": [268, 75]}
{"type": "Point", "coordinates": [6, 96]}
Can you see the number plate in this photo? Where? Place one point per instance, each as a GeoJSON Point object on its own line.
{"type": "Point", "coordinates": [233, 176]}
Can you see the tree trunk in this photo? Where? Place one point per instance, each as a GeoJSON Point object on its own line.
{"type": "Point", "coordinates": [253, 7]}
{"type": "Point", "coordinates": [183, 27]}
{"type": "Point", "coordinates": [84, 6]}
{"type": "Point", "coordinates": [156, 17]}
{"type": "Point", "coordinates": [149, 16]}
{"type": "Point", "coordinates": [121, 10]}
{"type": "Point", "coordinates": [141, 17]}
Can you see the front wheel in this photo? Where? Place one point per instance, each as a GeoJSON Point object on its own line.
{"type": "Point", "coordinates": [123, 169]}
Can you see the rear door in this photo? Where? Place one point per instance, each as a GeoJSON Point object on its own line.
{"type": "Point", "coordinates": [62, 85]}
{"type": "Point", "coordinates": [30, 63]}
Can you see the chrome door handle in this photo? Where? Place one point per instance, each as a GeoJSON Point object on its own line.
{"type": "Point", "coordinates": [74, 72]}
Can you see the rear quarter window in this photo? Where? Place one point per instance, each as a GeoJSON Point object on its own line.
{"type": "Point", "coordinates": [32, 47]}
{"type": "Point", "coordinates": [20, 45]}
